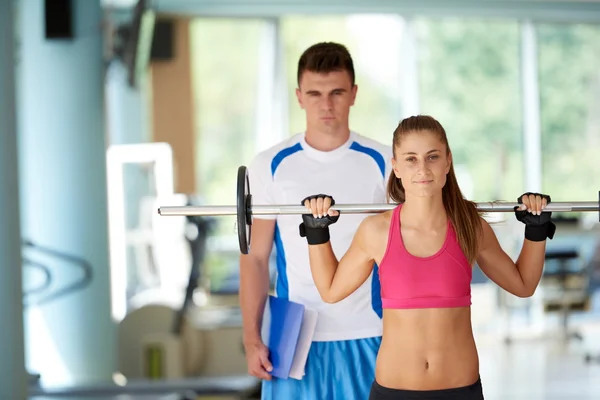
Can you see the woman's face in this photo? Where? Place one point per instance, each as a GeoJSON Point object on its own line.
{"type": "Point", "coordinates": [421, 162]}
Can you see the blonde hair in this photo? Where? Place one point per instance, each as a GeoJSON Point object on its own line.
{"type": "Point", "coordinates": [462, 213]}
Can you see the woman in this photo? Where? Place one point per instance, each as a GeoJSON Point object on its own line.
{"type": "Point", "coordinates": [425, 249]}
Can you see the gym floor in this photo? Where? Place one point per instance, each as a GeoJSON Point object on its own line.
{"type": "Point", "coordinates": [527, 369]}
{"type": "Point", "coordinates": [539, 363]}
{"type": "Point", "coordinates": [549, 369]}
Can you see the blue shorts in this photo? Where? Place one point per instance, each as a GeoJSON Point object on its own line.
{"type": "Point", "coordinates": [341, 370]}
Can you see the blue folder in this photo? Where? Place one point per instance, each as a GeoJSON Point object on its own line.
{"type": "Point", "coordinates": [286, 321]}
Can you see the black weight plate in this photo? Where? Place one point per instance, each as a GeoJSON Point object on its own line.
{"type": "Point", "coordinates": [248, 205]}
{"type": "Point", "coordinates": [243, 209]}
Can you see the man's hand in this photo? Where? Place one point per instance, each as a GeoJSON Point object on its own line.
{"type": "Point", "coordinates": [257, 358]}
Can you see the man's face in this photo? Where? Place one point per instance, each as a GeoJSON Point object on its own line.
{"type": "Point", "coordinates": [326, 98]}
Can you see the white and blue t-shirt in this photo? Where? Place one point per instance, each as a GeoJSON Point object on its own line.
{"type": "Point", "coordinates": [354, 173]}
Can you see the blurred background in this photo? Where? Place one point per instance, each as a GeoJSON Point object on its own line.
{"type": "Point", "coordinates": [113, 108]}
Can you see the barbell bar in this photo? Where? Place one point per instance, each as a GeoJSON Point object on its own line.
{"type": "Point", "coordinates": [578, 206]}
{"type": "Point", "coordinates": [245, 210]}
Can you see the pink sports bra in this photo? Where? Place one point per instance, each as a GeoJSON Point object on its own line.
{"type": "Point", "coordinates": [439, 281]}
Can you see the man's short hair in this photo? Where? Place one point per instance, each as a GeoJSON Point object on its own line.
{"type": "Point", "coordinates": [326, 57]}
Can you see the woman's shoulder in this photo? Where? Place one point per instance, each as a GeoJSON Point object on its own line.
{"type": "Point", "coordinates": [372, 234]}
{"type": "Point", "coordinates": [377, 223]}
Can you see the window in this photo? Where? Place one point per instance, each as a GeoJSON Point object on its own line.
{"type": "Point", "coordinates": [225, 56]}
{"type": "Point", "coordinates": [228, 55]}
{"type": "Point", "coordinates": [375, 43]}
{"type": "Point", "coordinates": [467, 73]}
{"type": "Point", "coordinates": [470, 82]}
{"type": "Point", "coordinates": [569, 70]}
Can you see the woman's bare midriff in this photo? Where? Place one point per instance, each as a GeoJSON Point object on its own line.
{"type": "Point", "coordinates": [427, 349]}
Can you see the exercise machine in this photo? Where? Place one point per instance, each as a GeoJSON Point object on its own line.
{"type": "Point", "coordinates": [162, 342]}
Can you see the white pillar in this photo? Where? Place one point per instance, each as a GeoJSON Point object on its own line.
{"type": "Point", "coordinates": [410, 76]}
{"type": "Point", "coordinates": [271, 102]}
{"type": "Point", "coordinates": [532, 143]}
{"type": "Point", "coordinates": [62, 152]}
{"type": "Point", "coordinates": [532, 133]}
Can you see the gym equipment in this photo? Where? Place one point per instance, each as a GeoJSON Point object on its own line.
{"type": "Point", "coordinates": [194, 336]}
{"type": "Point", "coordinates": [174, 389]}
{"type": "Point", "coordinates": [79, 262]}
{"type": "Point", "coordinates": [168, 330]}
{"type": "Point", "coordinates": [84, 282]}
{"type": "Point", "coordinates": [244, 209]}
{"type": "Point", "coordinates": [203, 226]}
{"type": "Point", "coordinates": [44, 270]}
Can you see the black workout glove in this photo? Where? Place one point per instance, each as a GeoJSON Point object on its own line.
{"type": "Point", "coordinates": [537, 227]}
{"type": "Point", "coordinates": [316, 230]}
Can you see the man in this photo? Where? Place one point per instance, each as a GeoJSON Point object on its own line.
{"type": "Point", "coordinates": [341, 360]}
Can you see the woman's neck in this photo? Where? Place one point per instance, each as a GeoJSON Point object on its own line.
{"type": "Point", "coordinates": [424, 212]}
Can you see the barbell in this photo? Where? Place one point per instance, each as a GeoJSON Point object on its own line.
{"type": "Point", "coordinates": [244, 209]}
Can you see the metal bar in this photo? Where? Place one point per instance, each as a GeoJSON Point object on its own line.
{"type": "Point", "coordinates": [577, 206]}
{"type": "Point", "coordinates": [197, 210]}
{"type": "Point", "coordinates": [556, 11]}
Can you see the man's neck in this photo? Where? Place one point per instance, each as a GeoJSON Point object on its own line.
{"type": "Point", "coordinates": [326, 141]}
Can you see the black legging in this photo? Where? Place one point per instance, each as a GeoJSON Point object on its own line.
{"type": "Point", "coordinates": [471, 392]}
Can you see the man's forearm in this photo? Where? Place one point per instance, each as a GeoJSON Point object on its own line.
{"type": "Point", "coordinates": [531, 263]}
{"type": "Point", "coordinates": [254, 289]}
